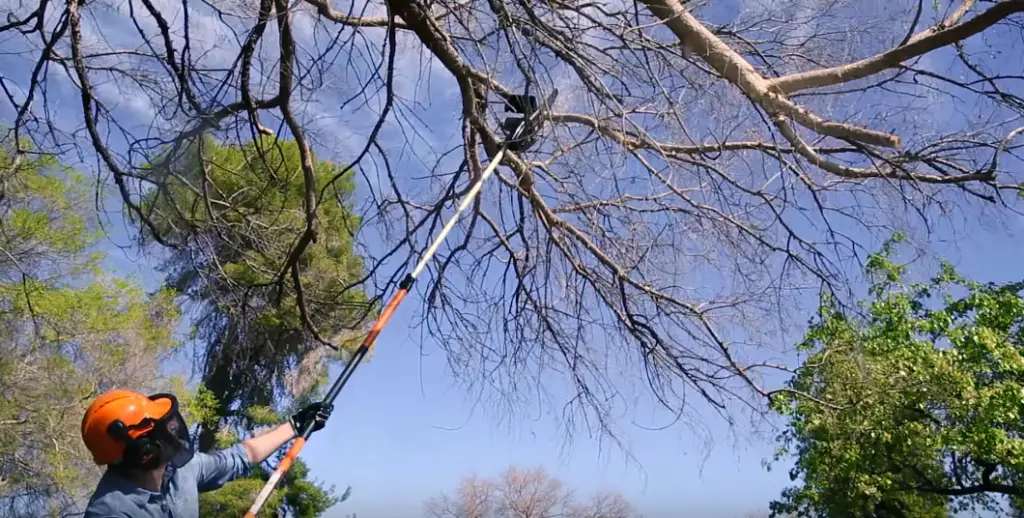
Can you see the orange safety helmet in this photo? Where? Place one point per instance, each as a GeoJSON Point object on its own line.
{"type": "Point", "coordinates": [126, 426]}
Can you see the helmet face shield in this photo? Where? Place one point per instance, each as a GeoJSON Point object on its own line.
{"type": "Point", "coordinates": [156, 442]}
{"type": "Point", "coordinates": [171, 433]}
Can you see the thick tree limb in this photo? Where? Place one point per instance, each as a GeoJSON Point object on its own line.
{"type": "Point", "coordinates": [923, 42]}
{"type": "Point", "coordinates": [741, 73]}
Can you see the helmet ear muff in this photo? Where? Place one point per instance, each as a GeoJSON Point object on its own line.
{"type": "Point", "coordinates": [119, 431]}
{"type": "Point", "coordinates": [140, 452]}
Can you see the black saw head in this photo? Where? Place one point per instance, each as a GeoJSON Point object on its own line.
{"type": "Point", "coordinates": [521, 130]}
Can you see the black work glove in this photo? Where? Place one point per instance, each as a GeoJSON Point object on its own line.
{"type": "Point", "coordinates": [317, 413]}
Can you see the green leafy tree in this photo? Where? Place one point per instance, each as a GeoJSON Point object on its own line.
{"type": "Point", "coordinates": [232, 215]}
{"type": "Point", "coordinates": [913, 409]}
{"type": "Point", "coordinates": [67, 332]}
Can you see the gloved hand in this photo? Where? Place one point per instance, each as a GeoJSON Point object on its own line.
{"type": "Point", "coordinates": [317, 413]}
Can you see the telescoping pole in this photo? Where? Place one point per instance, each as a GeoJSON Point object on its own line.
{"type": "Point", "coordinates": [378, 325]}
{"type": "Point", "coordinates": [527, 124]}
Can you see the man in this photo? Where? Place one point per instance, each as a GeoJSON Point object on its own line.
{"type": "Point", "coordinates": [152, 468]}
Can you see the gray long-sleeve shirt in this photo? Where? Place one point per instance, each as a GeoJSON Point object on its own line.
{"type": "Point", "coordinates": [116, 497]}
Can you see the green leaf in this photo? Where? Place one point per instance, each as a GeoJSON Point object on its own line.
{"type": "Point", "coordinates": [67, 331]}
{"type": "Point", "coordinates": [886, 404]}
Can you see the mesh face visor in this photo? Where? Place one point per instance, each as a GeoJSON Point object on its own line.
{"type": "Point", "coordinates": [158, 441]}
{"type": "Point", "coordinates": [171, 433]}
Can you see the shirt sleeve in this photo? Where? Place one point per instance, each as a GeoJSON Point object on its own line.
{"type": "Point", "coordinates": [215, 470]}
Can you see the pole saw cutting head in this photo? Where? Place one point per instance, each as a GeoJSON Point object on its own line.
{"type": "Point", "coordinates": [521, 131]}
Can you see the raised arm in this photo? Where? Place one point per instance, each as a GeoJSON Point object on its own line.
{"type": "Point", "coordinates": [260, 447]}
{"type": "Point", "coordinates": [215, 470]}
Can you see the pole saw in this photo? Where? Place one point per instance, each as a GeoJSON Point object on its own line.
{"type": "Point", "coordinates": [520, 133]}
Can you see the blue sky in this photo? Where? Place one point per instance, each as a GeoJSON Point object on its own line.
{"type": "Point", "coordinates": [403, 432]}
